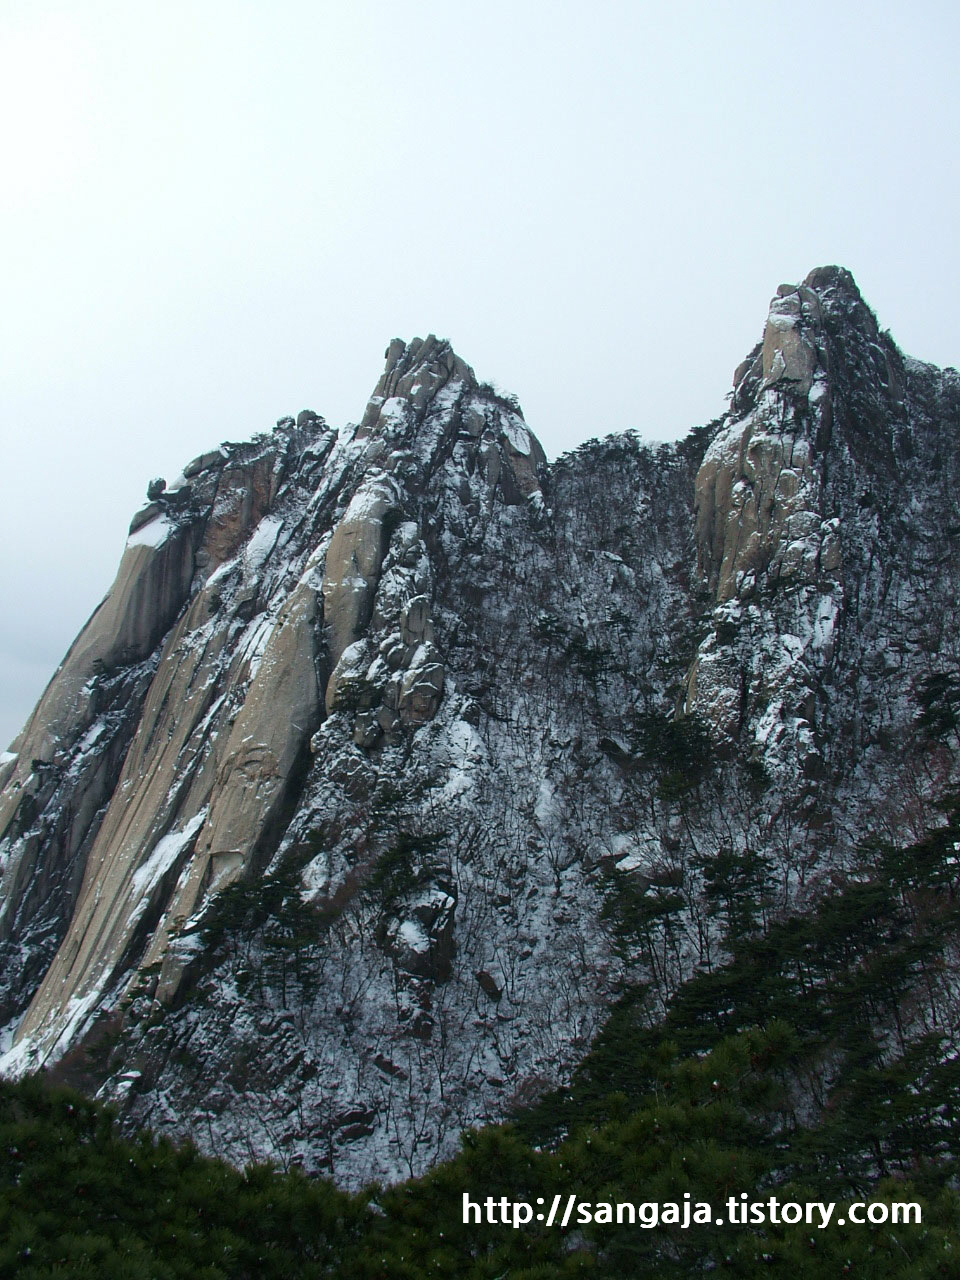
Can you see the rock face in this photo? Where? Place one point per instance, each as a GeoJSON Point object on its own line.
{"type": "Point", "coordinates": [318, 815]}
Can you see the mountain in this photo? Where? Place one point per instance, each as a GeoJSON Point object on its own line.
{"type": "Point", "coordinates": [395, 754]}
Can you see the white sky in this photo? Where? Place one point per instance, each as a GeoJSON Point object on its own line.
{"type": "Point", "coordinates": [216, 213]}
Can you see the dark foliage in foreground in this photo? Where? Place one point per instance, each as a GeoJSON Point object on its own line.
{"type": "Point", "coordinates": [790, 1070]}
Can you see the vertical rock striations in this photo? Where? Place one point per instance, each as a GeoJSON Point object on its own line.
{"type": "Point", "coordinates": [324, 804]}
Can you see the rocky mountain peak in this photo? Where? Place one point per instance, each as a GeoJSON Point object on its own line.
{"type": "Point", "coordinates": [420, 367]}
{"type": "Point", "coordinates": [322, 806]}
{"type": "Point", "coordinates": [415, 374]}
{"type": "Point", "coordinates": [831, 281]}
{"type": "Point", "coordinates": [841, 301]}
{"type": "Point", "coordinates": [428, 413]}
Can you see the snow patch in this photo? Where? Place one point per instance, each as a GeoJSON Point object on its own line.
{"type": "Point", "coordinates": [165, 854]}
{"type": "Point", "coordinates": [412, 935]}
{"type": "Point", "coordinates": [517, 434]}
{"type": "Point", "coordinates": [364, 503]}
{"type": "Point", "coordinates": [153, 534]}
{"type": "Point", "coordinates": [394, 410]}
{"type": "Point", "coordinates": [261, 543]}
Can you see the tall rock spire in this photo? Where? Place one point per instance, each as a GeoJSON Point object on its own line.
{"type": "Point", "coordinates": [319, 813]}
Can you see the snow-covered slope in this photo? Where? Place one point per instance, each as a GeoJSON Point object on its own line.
{"type": "Point", "coordinates": [305, 847]}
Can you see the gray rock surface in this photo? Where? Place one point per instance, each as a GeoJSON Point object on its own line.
{"type": "Point", "coordinates": [320, 811]}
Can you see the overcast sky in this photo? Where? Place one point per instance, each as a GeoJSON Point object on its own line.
{"type": "Point", "coordinates": [217, 213]}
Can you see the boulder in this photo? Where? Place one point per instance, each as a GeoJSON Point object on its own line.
{"type": "Point", "coordinates": [421, 691]}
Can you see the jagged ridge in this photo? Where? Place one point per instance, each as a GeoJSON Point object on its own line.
{"type": "Point", "coordinates": [405, 675]}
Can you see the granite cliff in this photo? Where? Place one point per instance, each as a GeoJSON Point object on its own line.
{"type": "Point", "coordinates": [306, 847]}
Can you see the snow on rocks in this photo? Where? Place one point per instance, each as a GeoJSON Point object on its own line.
{"type": "Point", "coordinates": [404, 707]}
